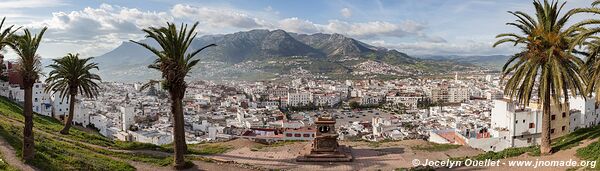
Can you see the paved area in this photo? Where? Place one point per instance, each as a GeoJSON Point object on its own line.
{"type": "Point", "coordinates": [385, 157]}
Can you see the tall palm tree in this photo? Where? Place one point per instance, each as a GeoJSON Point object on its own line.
{"type": "Point", "coordinates": [175, 64]}
{"type": "Point", "coordinates": [29, 67]}
{"type": "Point", "coordinates": [5, 35]}
{"type": "Point", "coordinates": [71, 75]}
{"type": "Point", "coordinates": [545, 68]}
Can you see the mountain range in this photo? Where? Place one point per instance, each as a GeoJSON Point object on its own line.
{"type": "Point", "coordinates": [263, 54]}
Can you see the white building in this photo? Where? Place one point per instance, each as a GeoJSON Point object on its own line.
{"type": "Point", "coordinates": [494, 95]}
{"type": "Point", "coordinates": [16, 93]}
{"type": "Point", "coordinates": [42, 103]}
{"type": "Point", "coordinates": [300, 99]}
{"type": "Point", "coordinates": [370, 100]}
{"type": "Point", "coordinates": [101, 123]}
{"type": "Point", "coordinates": [519, 127]}
{"type": "Point", "coordinates": [587, 116]}
{"type": "Point", "coordinates": [451, 94]}
{"type": "Point", "coordinates": [327, 100]}
{"type": "Point", "coordinates": [4, 89]}
{"type": "Point", "coordinates": [60, 105]}
{"type": "Point", "coordinates": [127, 116]}
{"type": "Point", "coordinates": [408, 100]}
{"type": "Point", "coordinates": [82, 115]}
{"type": "Point", "coordinates": [457, 94]}
{"type": "Point", "coordinates": [152, 136]}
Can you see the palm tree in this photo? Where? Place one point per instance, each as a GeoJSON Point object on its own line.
{"type": "Point", "coordinates": [175, 64]}
{"type": "Point", "coordinates": [29, 67]}
{"type": "Point", "coordinates": [546, 67]}
{"type": "Point", "coordinates": [591, 42]}
{"type": "Point", "coordinates": [71, 75]}
{"type": "Point", "coordinates": [5, 35]}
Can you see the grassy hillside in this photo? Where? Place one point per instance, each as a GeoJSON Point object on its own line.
{"type": "Point", "coordinates": [52, 153]}
{"type": "Point", "coordinates": [81, 150]}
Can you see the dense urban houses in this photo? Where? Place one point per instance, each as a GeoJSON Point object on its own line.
{"type": "Point", "coordinates": [467, 111]}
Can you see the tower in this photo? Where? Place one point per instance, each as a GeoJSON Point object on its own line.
{"type": "Point", "coordinates": [326, 136]}
{"type": "Point", "coordinates": [127, 114]}
{"type": "Point", "coordinates": [456, 76]}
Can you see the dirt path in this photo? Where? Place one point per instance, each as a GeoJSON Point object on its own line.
{"type": "Point", "coordinates": [10, 157]}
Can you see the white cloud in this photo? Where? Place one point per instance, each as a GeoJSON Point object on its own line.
{"type": "Point", "coordinates": [374, 28]}
{"type": "Point", "coordinates": [104, 27]}
{"type": "Point", "coordinates": [16, 4]}
{"type": "Point", "coordinates": [215, 17]}
{"type": "Point", "coordinates": [299, 26]}
{"type": "Point", "coordinates": [366, 30]}
{"type": "Point", "coordinates": [346, 12]}
{"type": "Point", "coordinates": [456, 48]}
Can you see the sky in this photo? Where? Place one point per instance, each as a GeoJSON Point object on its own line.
{"type": "Point", "coordinates": [416, 27]}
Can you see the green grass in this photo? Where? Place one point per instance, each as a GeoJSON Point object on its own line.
{"type": "Point", "coordinates": [208, 149]}
{"type": "Point", "coordinates": [590, 153]}
{"type": "Point", "coordinates": [573, 139]}
{"type": "Point", "coordinates": [434, 147]}
{"type": "Point", "coordinates": [124, 145]}
{"type": "Point", "coordinates": [14, 111]}
{"type": "Point", "coordinates": [50, 153]}
{"type": "Point", "coordinates": [53, 154]}
{"type": "Point", "coordinates": [5, 166]}
{"type": "Point", "coordinates": [506, 153]}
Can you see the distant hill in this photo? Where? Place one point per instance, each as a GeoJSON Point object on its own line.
{"type": "Point", "coordinates": [265, 54]}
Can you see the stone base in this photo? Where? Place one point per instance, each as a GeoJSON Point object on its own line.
{"type": "Point", "coordinates": [342, 154]}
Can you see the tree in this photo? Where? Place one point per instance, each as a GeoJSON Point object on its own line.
{"type": "Point", "coordinates": [354, 104]}
{"type": "Point", "coordinates": [71, 75]}
{"type": "Point", "coordinates": [175, 64]}
{"type": "Point", "coordinates": [29, 67]}
{"type": "Point", "coordinates": [591, 42]}
{"type": "Point", "coordinates": [546, 67]}
{"type": "Point", "coordinates": [5, 36]}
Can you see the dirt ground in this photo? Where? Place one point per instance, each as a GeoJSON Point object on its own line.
{"type": "Point", "coordinates": [386, 156]}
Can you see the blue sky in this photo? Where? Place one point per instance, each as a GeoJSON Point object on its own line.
{"type": "Point", "coordinates": [416, 27]}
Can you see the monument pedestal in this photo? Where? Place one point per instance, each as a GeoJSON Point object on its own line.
{"type": "Point", "coordinates": [325, 147]}
{"type": "Point", "coordinates": [342, 154]}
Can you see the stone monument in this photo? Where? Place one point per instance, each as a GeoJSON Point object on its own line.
{"type": "Point", "coordinates": [325, 147]}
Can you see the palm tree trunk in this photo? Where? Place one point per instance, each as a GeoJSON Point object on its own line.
{"type": "Point", "coordinates": [69, 120]}
{"type": "Point", "coordinates": [178, 131]}
{"type": "Point", "coordinates": [545, 147]}
{"type": "Point", "coordinates": [28, 144]}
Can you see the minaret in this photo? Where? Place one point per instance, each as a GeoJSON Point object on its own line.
{"type": "Point", "coordinates": [456, 76]}
{"type": "Point", "coordinates": [127, 114]}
